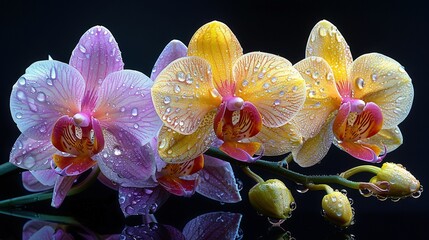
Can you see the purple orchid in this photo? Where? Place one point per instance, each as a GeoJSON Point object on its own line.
{"type": "Point", "coordinates": [74, 115]}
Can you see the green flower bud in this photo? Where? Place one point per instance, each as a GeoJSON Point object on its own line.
{"type": "Point", "coordinates": [337, 209]}
{"type": "Point", "coordinates": [401, 182]}
{"type": "Point", "coordinates": [272, 199]}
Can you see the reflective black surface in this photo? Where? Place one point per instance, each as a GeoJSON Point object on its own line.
{"type": "Point", "coordinates": [32, 30]}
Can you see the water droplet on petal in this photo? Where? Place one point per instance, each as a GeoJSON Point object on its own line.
{"type": "Point", "coordinates": [360, 83]}
{"type": "Point", "coordinates": [117, 151]}
{"type": "Point", "coordinates": [153, 208]}
{"type": "Point", "coordinates": [276, 102]}
{"type": "Point", "coordinates": [21, 95]}
{"type": "Point", "coordinates": [121, 199]}
{"type": "Point", "coordinates": [49, 82]}
{"type": "Point", "coordinates": [82, 48]}
{"type": "Point", "coordinates": [311, 93]}
{"type": "Point", "coordinates": [136, 125]}
{"type": "Point", "coordinates": [53, 73]}
{"type": "Point", "coordinates": [245, 83]}
{"type": "Point", "coordinates": [322, 32]}
{"type": "Point", "coordinates": [374, 77]}
{"type": "Point", "coordinates": [41, 97]}
{"type": "Point", "coordinates": [177, 88]}
{"type": "Point", "coordinates": [167, 99]}
{"type": "Point", "coordinates": [134, 112]}
{"type": "Point", "coordinates": [18, 115]}
{"type": "Point", "coordinates": [22, 81]}
{"type": "Point", "coordinates": [181, 76]}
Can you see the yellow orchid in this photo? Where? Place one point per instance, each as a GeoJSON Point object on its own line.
{"type": "Point", "coordinates": [217, 92]}
{"type": "Point", "coordinates": [355, 104]}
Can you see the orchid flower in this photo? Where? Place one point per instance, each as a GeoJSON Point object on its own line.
{"type": "Point", "coordinates": [355, 104]}
{"type": "Point", "coordinates": [217, 92]}
{"type": "Point", "coordinates": [70, 114]}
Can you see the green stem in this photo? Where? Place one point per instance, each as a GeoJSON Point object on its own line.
{"type": "Point", "coordinates": [36, 197]}
{"type": "Point", "coordinates": [286, 173]}
{"type": "Point", "coordinates": [323, 187]}
{"type": "Point", "coordinates": [358, 169]}
{"type": "Point", "coordinates": [253, 175]}
{"type": "Point", "coordinates": [7, 167]}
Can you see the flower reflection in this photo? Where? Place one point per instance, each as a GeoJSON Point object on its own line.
{"type": "Point", "coordinates": [214, 225]}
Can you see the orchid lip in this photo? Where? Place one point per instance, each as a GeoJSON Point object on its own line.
{"type": "Point", "coordinates": [81, 119]}
{"type": "Point", "coordinates": [357, 105]}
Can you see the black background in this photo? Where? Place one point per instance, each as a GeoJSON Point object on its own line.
{"type": "Point", "coordinates": [32, 30]}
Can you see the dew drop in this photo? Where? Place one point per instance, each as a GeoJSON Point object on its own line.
{"type": "Point", "coordinates": [121, 199]}
{"type": "Point", "coordinates": [281, 93]}
{"type": "Point", "coordinates": [153, 208]}
{"type": "Point", "coordinates": [82, 48]}
{"type": "Point", "coordinates": [41, 97]}
{"type": "Point", "coordinates": [365, 192]}
{"type": "Point", "coordinates": [293, 206]}
{"type": "Point", "coordinates": [18, 115]}
{"type": "Point", "coordinates": [275, 222]}
{"type": "Point", "coordinates": [122, 109]}
{"type": "Point", "coordinates": [22, 81]}
{"type": "Point", "coordinates": [239, 184]}
{"type": "Point", "coordinates": [322, 32]}
{"type": "Point", "coordinates": [311, 93]}
{"type": "Point", "coordinates": [181, 76]}
{"type": "Point", "coordinates": [374, 77]}
{"type": "Point", "coordinates": [177, 88]}
{"type": "Point", "coordinates": [21, 95]}
{"type": "Point", "coordinates": [274, 79]}
{"type": "Point", "coordinates": [53, 73]}
{"type": "Point", "coordinates": [136, 125]}
{"type": "Point", "coordinates": [266, 85]}
{"type": "Point", "coordinates": [148, 191]}
{"type": "Point", "coordinates": [329, 76]}
{"type": "Point", "coordinates": [360, 83]}
{"type": "Point", "coordinates": [167, 99]}
{"type": "Point", "coordinates": [49, 82]}
{"type": "Point", "coordinates": [117, 151]}
{"type": "Point", "coordinates": [189, 79]}
{"type": "Point", "coordinates": [29, 162]}
{"type": "Point", "coordinates": [162, 144]}
{"type": "Point", "coordinates": [401, 69]}
{"type": "Point", "coordinates": [276, 102]}
{"type": "Point", "coordinates": [134, 112]}
{"type": "Point", "coordinates": [245, 83]}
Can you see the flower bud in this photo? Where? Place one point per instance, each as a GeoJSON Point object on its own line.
{"type": "Point", "coordinates": [401, 182]}
{"type": "Point", "coordinates": [271, 198]}
{"type": "Point", "coordinates": [337, 209]}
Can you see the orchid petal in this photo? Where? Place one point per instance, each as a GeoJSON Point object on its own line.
{"type": "Point", "coordinates": [45, 232]}
{"type": "Point", "coordinates": [353, 126]}
{"type": "Point", "coordinates": [32, 184]}
{"type": "Point", "coordinates": [178, 186]}
{"type": "Point", "coordinates": [213, 226]}
{"type": "Point", "coordinates": [362, 151]}
{"type": "Point", "coordinates": [46, 177]}
{"type": "Point", "coordinates": [326, 41]}
{"type": "Point", "coordinates": [242, 151]}
{"type": "Point", "coordinates": [315, 149]}
{"type": "Point", "coordinates": [280, 140]}
{"type": "Point", "coordinates": [129, 167]}
{"type": "Point", "coordinates": [322, 96]}
{"type": "Point", "coordinates": [47, 90]}
{"type": "Point", "coordinates": [184, 168]}
{"type": "Point", "coordinates": [183, 94]}
{"type": "Point", "coordinates": [380, 79]}
{"type": "Point", "coordinates": [33, 227]}
{"type": "Point", "coordinates": [72, 166]}
{"type": "Point", "coordinates": [173, 50]}
{"type": "Point", "coordinates": [61, 188]}
{"type": "Point", "coordinates": [386, 138]}
{"type": "Point", "coordinates": [31, 154]}
{"type": "Point", "coordinates": [237, 125]}
{"type": "Point", "coordinates": [216, 43]}
{"type": "Point", "coordinates": [141, 201]}
{"type": "Point", "coordinates": [174, 147]}
{"type": "Point", "coordinates": [125, 102]}
{"type": "Point", "coordinates": [271, 84]}
{"type": "Point", "coordinates": [95, 56]}
{"type": "Point", "coordinates": [217, 181]}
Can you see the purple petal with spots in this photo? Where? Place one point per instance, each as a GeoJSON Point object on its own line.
{"type": "Point", "coordinates": [173, 50]}
{"type": "Point", "coordinates": [31, 154]}
{"type": "Point", "coordinates": [48, 90]}
{"type": "Point", "coordinates": [217, 181]}
{"type": "Point", "coordinates": [141, 201]}
{"type": "Point", "coordinates": [95, 56]}
{"type": "Point", "coordinates": [125, 102]}
{"type": "Point", "coordinates": [61, 188]}
{"type": "Point", "coordinates": [213, 226]}
{"type": "Point", "coordinates": [31, 184]}
{"type": "Point", "coordinates": [152, 231]}
{"type": "Point", "coordinates": [131, 167]}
